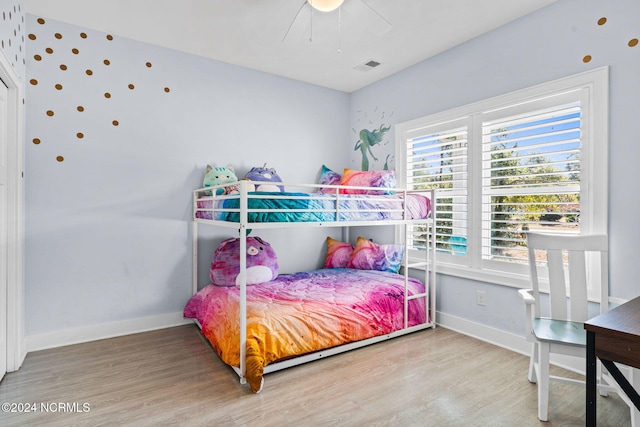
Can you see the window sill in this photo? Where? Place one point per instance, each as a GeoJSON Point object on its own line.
{"type": "Point", "coordinates": [494, 277]}
{"type": "Point", "coordinates": [512, 280]}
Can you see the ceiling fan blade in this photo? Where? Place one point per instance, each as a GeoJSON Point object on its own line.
{"type": "Point", "coordinates": [368, 16]}
{"type": "Point", "coordinates": [298, 24]}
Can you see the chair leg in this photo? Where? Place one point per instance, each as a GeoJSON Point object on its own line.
{"type": "Point", "coordinates": [543, 381]}
{"type": "Point", "coordinates": [634, 380]}
{"type": "Point", "coordinates": [532, 363]}
{"type": "Point", "coordinates": [600, 371]}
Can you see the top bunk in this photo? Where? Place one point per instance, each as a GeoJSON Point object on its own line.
{"type": "Point", "coordinates": [236, 205]}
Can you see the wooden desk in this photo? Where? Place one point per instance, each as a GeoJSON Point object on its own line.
{"type": "Point", "coordinates": [613, 336]}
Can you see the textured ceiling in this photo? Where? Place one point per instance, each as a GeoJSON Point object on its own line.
{"type": "Point", "coordinates": [251, 33]}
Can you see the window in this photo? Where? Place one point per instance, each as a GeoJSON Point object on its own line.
{"type": "Point", "coordinates": [534, 159]}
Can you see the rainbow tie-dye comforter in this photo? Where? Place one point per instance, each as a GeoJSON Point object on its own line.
{"type": "Point", "coordinates": [303, 312]}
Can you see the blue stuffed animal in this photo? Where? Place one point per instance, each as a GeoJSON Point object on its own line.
{"type": "Point", "coordinates": [267, 175]}
{"type": "Point", "coordinates": [218, 176]}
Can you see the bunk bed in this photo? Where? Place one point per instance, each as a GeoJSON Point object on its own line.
{"type": "Point", "coordinates": [359, 297]}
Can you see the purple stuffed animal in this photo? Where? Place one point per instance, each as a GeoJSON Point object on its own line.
{"type": "Point", "coordinates": [262, 263]}
{"type": "Point", "coordinates": [268, 176]}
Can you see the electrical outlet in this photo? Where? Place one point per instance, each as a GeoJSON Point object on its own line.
{"type": "Point", "coordinates": [481, 298]}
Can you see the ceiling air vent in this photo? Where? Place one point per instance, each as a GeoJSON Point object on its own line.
{"type": "Point", "coordinates": [369, 65]}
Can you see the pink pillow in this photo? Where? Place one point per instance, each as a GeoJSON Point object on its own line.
{"type": "Point", "coordinates": [379, 179]}
{"type": "Point", "coordinates": [338, 253]}
{"type": "Point", "coordinates": [371, 256]}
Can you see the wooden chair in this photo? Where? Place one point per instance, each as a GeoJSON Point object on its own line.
{"type": "Point", "coordinates": [557, 325]}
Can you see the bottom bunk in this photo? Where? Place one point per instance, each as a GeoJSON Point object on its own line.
{"type": "Point", "coordinates": [304, 316]}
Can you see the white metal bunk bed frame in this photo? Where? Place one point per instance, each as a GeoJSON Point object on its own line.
{"type": "Point", "coordinates": [244, 227]}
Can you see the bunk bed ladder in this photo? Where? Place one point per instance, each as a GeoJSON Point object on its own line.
{"type": "Point", "coordinates": [428, 265]}
{"type": "Point", "coordinates": [244, 206]}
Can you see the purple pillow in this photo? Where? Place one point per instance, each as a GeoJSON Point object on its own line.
{"type": "Point", "coordinates": [371, 256]}
{"type": "Point", "coordinates": [329, 177]}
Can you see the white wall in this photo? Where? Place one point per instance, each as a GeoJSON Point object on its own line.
{"type": "Point", "coordinates": [546, 45]}
{"type": "Point", "coordinates": [108, 235]}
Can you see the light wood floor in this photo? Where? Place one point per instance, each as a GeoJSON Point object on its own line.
{"type": "Point", "coordinates": [173, 377]}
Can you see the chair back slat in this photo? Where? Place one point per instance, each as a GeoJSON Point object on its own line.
{"type": "Point", "coordinates": [557, 285]}
{"type": "Point", "coordinates": [533, 268]}
{"type": "Point", "coordinates": [568, 299]}
{"type": "Point", "coordinates": [578, 298]}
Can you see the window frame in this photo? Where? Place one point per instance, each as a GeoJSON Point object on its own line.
{"type": "Point", "coordinates": [593, 87]}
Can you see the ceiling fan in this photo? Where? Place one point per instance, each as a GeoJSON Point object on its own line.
{"type": "Point", "coordinates": [357, 8]}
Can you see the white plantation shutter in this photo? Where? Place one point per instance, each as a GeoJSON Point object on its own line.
{"type": "Point", "coordinates": [530, 175]}
{"type": "Point", "coordinates": [437, 159]}
{"type": "Point", "coordinates": [534, 159]}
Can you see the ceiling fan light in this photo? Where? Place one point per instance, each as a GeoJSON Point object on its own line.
{"type": "Point", "coordinates": [325, 5]}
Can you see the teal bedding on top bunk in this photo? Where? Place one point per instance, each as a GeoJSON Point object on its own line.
{"type": "Point", "coordinates": [316, 207]}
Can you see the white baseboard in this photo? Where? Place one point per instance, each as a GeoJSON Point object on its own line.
{"type": "Point", "coordinates": [507, 340]}
{"type": "Point", "coordinates": [104, 330]}
{"type": "Point", "coordinates": [485, 333]}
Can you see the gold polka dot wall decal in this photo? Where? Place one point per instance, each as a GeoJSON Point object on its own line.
{"type": "Point", "coordinates": [75, 51]}
{"type": "Point", "coordinates": [602, 21]}
{"type": "Point", "coordinates": [633, 42]}
{"type": "Point", "coordinates": [166, 89]}
{"type": "Point", "coordinates": [33, 82]}
{"type": "Point", "coordinates": [63, 67]}
{"type": "Point", "coordinates": [60, 159]}
{"type": "Point", "coordinates": [80, 108]}
{"type": "Point", "coordinates": [89, 72]}
{"type": "Point", "coordinates": [40, 21]}
{"type": "Point", "coordinates": [586, 58]}
{"type": "Point", "coordinates": [107, 95]}
{"type": "Point", "coordinates": [80, 135]}
{"type": "Point", "coordinates": [50, 113]}
{"type": "Point", "coordinates": [109, 37]}
{"type": "Point", "coordinates": [36, 141]}
{"type": "Point", "coordinates": [58, 36]}
{"type": "Point", "coordinates": [59, 86]}
{"type": "Point", "coordinates": [148, 64]}
{"type": "Point", "coordinates": [83, 35]}
{"type": "Point", "coordinates": [131, 86]}
{"type": "Point", "coordinates": [49, 50]}
{"type": "Point", "coordinates": [37, 57]}
{"type": "Point", "coordinates": [32, 36]}
{"type": "Point", "coordinates": [115, 123]}
{"type": "Point", "coordinates": [107, 62]}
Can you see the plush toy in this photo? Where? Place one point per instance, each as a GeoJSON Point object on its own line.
{"type": "Point", "coordinates": [217, 176]}
{"type": "Point", "coordinates": [266, 175]}
{"type": "Point", "coordinates": [262, 263]}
